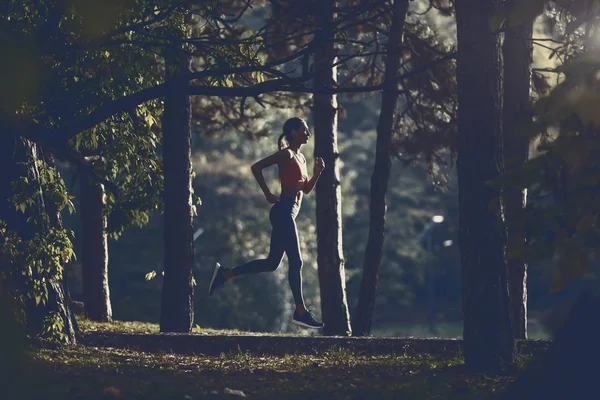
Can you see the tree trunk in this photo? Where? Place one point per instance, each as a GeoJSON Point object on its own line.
{"type": "Point", "coordinates": [330, 257]}
{"type": "Point", "coordinates": [177, 312]}
{"type": "Point", "coordinates": [55, 218]}
{"type": "Point", "coordinates": [517, 54]}
{"type": "Point", "coordinates": [488, 336]}
{"type": "Point", "coordinates": [94, 254]}
{"type": "Point", "coordinates": [14, 152]}
{"type": "Point", "coordinates": [361, 321]}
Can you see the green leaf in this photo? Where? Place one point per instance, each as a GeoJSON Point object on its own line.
{"type": "Point", "coordinates": [150, 275]}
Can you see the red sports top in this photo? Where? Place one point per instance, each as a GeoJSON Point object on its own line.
{"type": "Point", "coordinates": [295, 173]}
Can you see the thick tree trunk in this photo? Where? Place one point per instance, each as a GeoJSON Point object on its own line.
{"type": "Point", "coordinates": [361, 321]}
{"type": "Point", "coordinates": [517, 54]}
{"type": "Point", "coordinates": [177, 312]}
{"type": "Point", "coordinates": [13, 152]}
{"type": "Point", "coordinates": [94, 254]}
{"type": "Point", "coordinates": [330, 257]}
{"type": "Point", "coordinates": [488, 336]}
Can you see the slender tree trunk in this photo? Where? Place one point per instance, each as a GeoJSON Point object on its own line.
{"type": "Point", "coordinates": [14, 152]}
{"type": "Point", "coordinates": [330, 257]}
{"type": "Point", "coordinates": [488, 336]}
{"type": "Point", "coordinates": [94, 255]}
{"type": "Point", "coordinates": [361, 321]}
{"type": "Point", "coordinates": [177, 311]}
{"type": "Point", "coordinates": [517, 54]}
{"type": "Point", "coordinates": [71, 326]}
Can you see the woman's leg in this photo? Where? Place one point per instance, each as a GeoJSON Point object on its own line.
{"type": "Point", "coordinates": [302, 316]}
{"type": "Point", "coordinates": [292, 249]}
{"type": "Point", "coordinates": [270, 263]}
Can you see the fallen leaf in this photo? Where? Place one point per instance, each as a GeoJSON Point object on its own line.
{"type": "Point", "coordinates": [234, 392]}
{"type": "Point", "coordinates": [111, 390]}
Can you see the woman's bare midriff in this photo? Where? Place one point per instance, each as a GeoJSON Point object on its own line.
{"type": "Point", "coordinates": [292, 192]}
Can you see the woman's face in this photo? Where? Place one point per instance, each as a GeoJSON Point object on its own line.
{"type": "Point", "coordinates": [302, 134]}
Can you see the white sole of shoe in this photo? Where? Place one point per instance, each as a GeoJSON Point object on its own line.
{"type": "Point", "coordinates": [305, 325]}
{"type": "Point", "coordinates": [214, 275]}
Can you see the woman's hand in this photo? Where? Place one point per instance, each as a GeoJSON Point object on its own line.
{"type": "Point", "coordinates": [271, 198]}
{"type": "Point", "coordinates": [319, 166]}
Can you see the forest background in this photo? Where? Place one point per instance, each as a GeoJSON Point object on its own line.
{"type": "Point", "coordinates": [232, 227]}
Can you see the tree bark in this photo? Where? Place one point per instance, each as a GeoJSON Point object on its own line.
{"type": "Point", "coordinates": [517, 55]}
{"type": "Point", "coordinates": [14, 152]}
{"type": "Point", "coordinates": [488, 336]}
{"type": "Point", "coordinates": [330, 257]}
{"type": "Point", "coordinates": [55, 219]}
{"type": "Point", "coordinates": [177, 312]}
{"type": "Point", "coordinates": [361, 321]}
{"type": "Point", "coordinates": [94, 255]}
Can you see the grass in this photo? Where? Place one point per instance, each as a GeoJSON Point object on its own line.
{"type": "Point", "coordinates": [79, 372]}
{"type": "Point", "coordinates": [446, 330]}
{"type": "Point", "coordinates": [150, 327]}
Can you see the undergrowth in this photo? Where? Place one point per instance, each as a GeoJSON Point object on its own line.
{"type": "Point", "coordinates": [80, 372]}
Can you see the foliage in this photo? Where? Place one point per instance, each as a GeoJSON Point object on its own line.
{"type": "Point", "coordinates": [427, 125]}
{"type": "Point", "coordinates": [26, 190]}
{"type": "Point", "coordinates": [563, 178]}
{"type": "Point", "coordinates": [75, 58]}
{"type": "Point", "coordinates": [37, 260]}
{"type": "Point", "coordinates": [81, 59]}
{"type": "Point", "coordinates": [34, 255]}
{"type": "Point", "coordinates": [234, 220]}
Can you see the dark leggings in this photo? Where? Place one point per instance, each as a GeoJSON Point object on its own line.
{"type": "Point", "coordinates": [284, 239]}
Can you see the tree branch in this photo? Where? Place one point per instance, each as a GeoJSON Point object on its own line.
{"type": "Point", "coordinates": [80, 161]}
{"type": "Point", "coordinates": [62, 134]}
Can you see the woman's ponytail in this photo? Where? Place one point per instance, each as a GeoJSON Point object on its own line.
{"type": "Point", "coordinates": [280, 141]}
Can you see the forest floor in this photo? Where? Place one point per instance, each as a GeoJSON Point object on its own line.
{"type": "Point", "coordinates": [94, 372]}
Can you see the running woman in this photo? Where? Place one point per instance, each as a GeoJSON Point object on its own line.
{"type": "Point", "coordinates": [284, 235]}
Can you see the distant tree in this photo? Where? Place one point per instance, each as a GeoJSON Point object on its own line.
{"type": "Point", "coordinates": [488, 335]}
{"type": "Point", "coordinates": [177, 310]}
{"type": "Point", "coordinates": [330, 257]}
{"type": "Point", "coordinates": [426, 128]}
{"type": "Point", "coordinates": [517, 53]}
{"type": "Point", "coordinates": [561, 218]}
{"type": "Point", "coordinates": [94, 254]}
{"type": "Point", "coordinates": [93, 84]}
{"type": "Point", "coordinates": [361, 322]}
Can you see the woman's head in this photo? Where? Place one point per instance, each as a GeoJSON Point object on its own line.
{"type": "Point", "coordinates": [294, 129]}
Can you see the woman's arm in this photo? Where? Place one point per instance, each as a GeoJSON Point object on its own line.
{"type": "Point", "coordinates": [318, 168]}
{"type": "Point", "coordinates": [277, 158]}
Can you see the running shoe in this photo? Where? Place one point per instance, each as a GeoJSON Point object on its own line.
{"type": "Point", "coordinates": [306, 320]}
